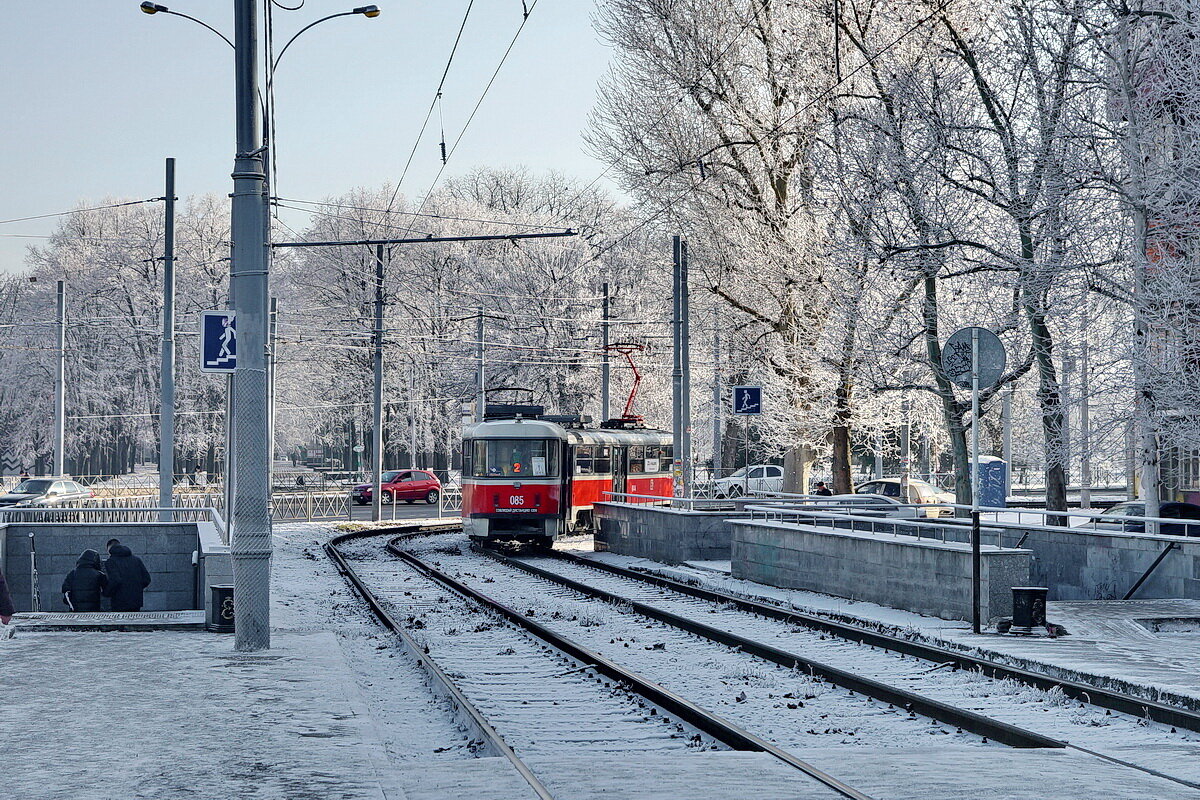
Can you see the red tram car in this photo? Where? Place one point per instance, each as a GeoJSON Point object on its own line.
{"type": "Point", "coordinates": [533, 478]}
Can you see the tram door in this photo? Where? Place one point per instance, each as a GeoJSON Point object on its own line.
{"type": "Point", "coordinates": [620, 467]}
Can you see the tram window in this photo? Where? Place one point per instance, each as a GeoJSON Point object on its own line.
{"type": "Point", "coordinates": [653, 459]}
{"type": "Point", "coordinates": [602, 461]}
{"type": "Point", "coordinates": [478, 458]}
{"type": "Point", "coordinates": [583, 460]}
{"type": "Point", "coordinates": [531, 458]}
{"type": "Point", "coordinates": [637, 459]}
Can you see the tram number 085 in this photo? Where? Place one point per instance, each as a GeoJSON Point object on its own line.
{"type": "Point", "coordinates": [516, 500]}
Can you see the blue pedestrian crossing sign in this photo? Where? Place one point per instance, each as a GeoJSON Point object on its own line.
{"type": "Point", "coordinates": [218, 341]}
{"type": "Point", "coordinates": [747, 399]}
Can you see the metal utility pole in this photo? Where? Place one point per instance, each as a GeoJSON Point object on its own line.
{"type": "Point", "coordinates": [480, 394]}
{"type": "Point", "coordinates": [717, 458]}
{"type": "Point", "coordinates": [60, 381]}
{"type": "Point", "coordinates": [604, 367]}
{"type": "Point", "coordinates": [1085, 434]}
{"type": "Point", "coordinates": [1068, 367]}
{"type": "Point", "coordinates": [685, 362]}
{"type": "Point", "coordinates": [677, 363]}
{"type": "Point", "coordinates": [878, 455]}
{"type": "Point", "coordinates": [1006, 426]}
{"type": "Point", "coordinates": [166, 380]}
{"type": "Point", "coordinates": [412, 418]}
{"type": "Point", "coordinates": [905, 449]}
{"type": "Point", "coordinates": [251, 540]}
{"type": "Point", "coordinates": [272, 361]}
{"type": "Point", "coordinates": [377, 396]}
{"type": "Point", "coordinates": [976, 546]}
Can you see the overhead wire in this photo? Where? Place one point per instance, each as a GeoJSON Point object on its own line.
{"type": "Point", "coordinates": [82, 210]}
{"type": "Point", "coordinates": [437, 96]}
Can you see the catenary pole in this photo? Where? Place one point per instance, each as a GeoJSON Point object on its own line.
{"type": "Point", "coordinates": [604, 366]}
{"type": "Point", "coordinates": [166, 380]}
{"type": "Point", "coordinates": [685, 364]}
{"type": "Point", "coordinates": [1006, 427]}
{"type": "Point", "coordinates": [251, 542]}
{"type": "Point", "coordinates": [412, 417]}
{"type": "Point", "coordinates": [480, 378]}
{"type": "Point", "coordinates": [377, 396]}
{"type": "Point", "coordinates": [676, 366]}
{"type": "Point", "coordinates": [1085, 417]}
{"type": "Point", "coordinates": [717, 458]}
{"type": "Point", "coordinates": [272, 363]}
{"type": "Point", "coordinates": [60, 380]}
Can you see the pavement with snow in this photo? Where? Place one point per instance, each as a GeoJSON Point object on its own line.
{"type": "Point", "coordinates": [336, 710]}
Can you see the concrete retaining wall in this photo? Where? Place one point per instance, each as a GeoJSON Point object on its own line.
{"type": "Point", "coordinates": [905, 572]}
{"type": "Point", "coordinates": [670, 535]}
{"type": "Point", "coordinates": [1081, 564]}
{"type": "Point", "coordinates": [167, 549]}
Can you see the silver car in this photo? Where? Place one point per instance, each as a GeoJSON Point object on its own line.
{"type": "Point", "coordinates": [41, 492]}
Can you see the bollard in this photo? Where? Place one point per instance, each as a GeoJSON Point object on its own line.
{"type": "Point", "coordinates": [221, 610]}
{"type": "Point", "coordinates": [1029, 608]}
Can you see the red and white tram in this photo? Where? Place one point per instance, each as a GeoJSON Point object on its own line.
{"type": "Point", "coordinates": [536, 479]}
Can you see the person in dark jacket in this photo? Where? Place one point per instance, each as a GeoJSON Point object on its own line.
{"type": "Point", "coordinates": [822, 489]}
{"type": "Point", "coordinates": [127, 577]}
{"type": "Point", "coordinates": [84, 585]}
{"type": "Point", "coordinates": [6, 603]}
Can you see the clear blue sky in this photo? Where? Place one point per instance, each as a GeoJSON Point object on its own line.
{"type": "Point", "coordinates": [96, 94]}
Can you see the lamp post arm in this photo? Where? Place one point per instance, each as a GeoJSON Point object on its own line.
{"type": "Point", "coordinates": [279, 57]}
{"type": "Point", "coordinates": [200, 22]}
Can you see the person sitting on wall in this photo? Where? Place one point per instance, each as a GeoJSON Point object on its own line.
{"type": "Point", "coordinates": [84, 585]}
{"type": "Point", "coordinates": [127, 577]}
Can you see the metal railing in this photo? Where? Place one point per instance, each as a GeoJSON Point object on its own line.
{"type": "Point", "coordinates": [866, 520]}
{"type": "Point", "coordinates": [84, 515]}
{"type": "Point", "coordinates": [451, 501]}
{"type": "Point", "coordinates": [310, 506]}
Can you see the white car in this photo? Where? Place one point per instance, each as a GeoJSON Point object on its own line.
{"type": "Point", "coordinates": [755, 478]}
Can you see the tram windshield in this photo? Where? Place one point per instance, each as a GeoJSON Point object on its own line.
{"type": "Point", "coordinates": [515, 458]}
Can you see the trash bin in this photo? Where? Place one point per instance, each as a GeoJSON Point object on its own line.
{"type": "Point", "coordinates": [221, 616]}
{"type": "Point", "coordinates": [1029, 608]}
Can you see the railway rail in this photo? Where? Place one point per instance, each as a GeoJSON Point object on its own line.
{"type": "Point", "coordinates": [854, 681]}
{"type": "Point", "coordinates": [1092, 694]}
{"type": "Point", "coordinates": [482, 723]}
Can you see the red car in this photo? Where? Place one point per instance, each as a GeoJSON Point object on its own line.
{"type": "Point", "coordinates": [409, 485]}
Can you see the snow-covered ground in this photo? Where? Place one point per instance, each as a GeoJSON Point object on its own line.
{"type": "Point", "coordinates": [337, 710]}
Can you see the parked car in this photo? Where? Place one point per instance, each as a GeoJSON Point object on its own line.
{"type": "Point", "coordinates": [409, 485]}
{"type": "Point", "coordinates": [919, 491]}
{"type": "Point", "coordinates": [755, 478]}
{"type": "Point", "coordinates": [40, 492]}
{"type": "Point", "coordinates": [877, 504]}
{"type": "Point", "coordinates": [1128, 518]}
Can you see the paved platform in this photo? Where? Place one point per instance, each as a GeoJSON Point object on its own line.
{"type": "Point", "coordinates": [178, 714]}
{"type": "Point", "coordinates": [110, 620]}
{"type": "Point", "coordinates": [1139, 646]}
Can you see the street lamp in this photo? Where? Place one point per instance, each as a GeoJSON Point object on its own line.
{"type": "Point", "coordinates": [154, 8]}
{"type": "Point", "coordinates": [369, 12]}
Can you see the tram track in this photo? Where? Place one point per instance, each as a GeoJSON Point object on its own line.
{"type": "Point", "coordinates": [649, 602]}
{"type": "Point", "coordinates": [558, 671]}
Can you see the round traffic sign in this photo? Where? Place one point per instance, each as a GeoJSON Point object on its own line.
{"type": "Point", "coordinates": [956, 357]}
